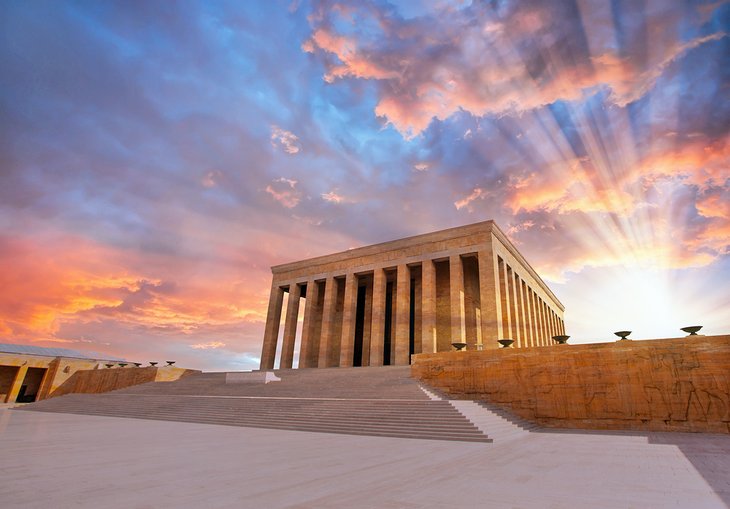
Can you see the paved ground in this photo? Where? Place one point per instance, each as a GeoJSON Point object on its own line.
{"type": "Point", "coordinates": [63, 460]}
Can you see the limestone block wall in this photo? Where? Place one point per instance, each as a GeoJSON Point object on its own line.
{"type": "Point", "coordinates": [105, 380]}
{"type": "Point", "coordinates": [680, 384]}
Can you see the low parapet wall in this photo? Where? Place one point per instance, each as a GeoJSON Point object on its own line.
{"type": "Point", "coordinates": [105, 380]}
{"type": "Point", "coordinates": [678, 384]}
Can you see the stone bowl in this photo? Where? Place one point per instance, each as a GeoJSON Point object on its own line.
{"type": "Point", "coordinates": [152, 363]}
{"type": "Point", "coordinates": [693, 330]}
{"type": "Point", "coordinates": [459, 346]}
{"type": "Point", "coordinates": [137, 364]}
{"type": "Point", "coordinates": [506, 343]}
{"type": "Point", "coordinates": [109, 365]}
{"type": "Point", "coordinates": [623, 334]}
{"type": "Point", "coordinates": [122, 364]}
{"type": "Point", "coordinates": [170, 363]}
{"type": "Point", "coordinates": [561, 340]}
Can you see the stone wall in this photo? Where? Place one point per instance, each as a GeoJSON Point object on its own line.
{"type": "Point", "coordinates": [105, 380]}
{"type": "Point", "coordinates": [678, 384]}
{"type": "Point", "coordinates": [58, 371]}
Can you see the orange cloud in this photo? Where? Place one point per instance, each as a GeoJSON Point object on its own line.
{"type": "Point", "coordinates": [288, 141]}
{"type": "Point", "coordinates": [57, 284]}
{"type": "Point", "coordinates": [476, 67]}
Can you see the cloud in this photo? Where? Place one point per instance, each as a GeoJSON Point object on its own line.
{"type": "Point", "coordinates": [477, 193]}
{"type": "Point", "coordinates": [211, 178]}
{"type": "Point", "coordinates": [285, 192]}
{"type": "Point", "coordinates": [421, 166]}
{"type": "Point", "coordinates": [286, 140]}
{"type": "Point", "coordinates": [334, 197]}
{"type": "Point", "coordinates": [476, 60]}
{"type": "Point", "coordinates": [211, 345]}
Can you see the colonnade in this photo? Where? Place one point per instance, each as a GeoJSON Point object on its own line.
{"type": "Point", "coordinates": [381, 315]}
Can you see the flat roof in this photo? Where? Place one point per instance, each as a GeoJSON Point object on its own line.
{"type": "Point", "coordinates": [52, 352]}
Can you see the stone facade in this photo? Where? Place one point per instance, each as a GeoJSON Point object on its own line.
{"type": "Point", "coordinates": [97, 381]}
{"type": "Point", "coordinates": [32, 377]}
{"type": "Point", "coordinates": [35, 377]}
{"type": "Point", "coordinates": [378, 305]}
{"type": "Point", "coordinates": [680, 384]}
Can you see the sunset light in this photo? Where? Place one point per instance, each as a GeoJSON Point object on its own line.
{"type": "Point", "coordinates": [156, 163]}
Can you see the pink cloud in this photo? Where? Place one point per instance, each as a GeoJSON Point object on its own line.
{"type": "Point", "coordinates": [288, 141]}
{"type": "Point", "coordinates": [477, 193]}
{"type": "Point", "coordinates": [285, 192]}
{"type": "Point", "coordinates": [470, 61]}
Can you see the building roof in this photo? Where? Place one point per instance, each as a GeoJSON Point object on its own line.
{"type": "Point", "coordinates": [52, 352]}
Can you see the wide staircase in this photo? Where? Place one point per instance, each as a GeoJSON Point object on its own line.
{"type": "Point", "coordinates": [382, 401]}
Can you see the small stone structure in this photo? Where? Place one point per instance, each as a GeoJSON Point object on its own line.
{"type": "Point", "coordinates": [31, 373]}
{"type": "Point", "coordinates": [678, 384]}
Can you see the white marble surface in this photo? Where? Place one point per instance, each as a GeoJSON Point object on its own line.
{"type": "Point", "coordinates": [61, 460]}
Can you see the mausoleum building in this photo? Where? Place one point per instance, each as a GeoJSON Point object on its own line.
{"type": "Point", "coordinates": [377, 305]}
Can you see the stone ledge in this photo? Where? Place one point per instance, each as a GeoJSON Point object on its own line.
{"type": "Point", "coordinates": [678, 384]}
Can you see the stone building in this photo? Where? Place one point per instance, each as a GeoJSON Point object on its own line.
{"type": "Point", "coordinates": [377, 305]}
{"type": "Point", "coordinates": [31, 373]}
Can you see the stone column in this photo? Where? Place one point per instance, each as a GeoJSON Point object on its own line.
{"type": "Point", "coordinates": [530, 313]}
{"type": "Point", "coordinates": [290, 327]}
{"type": "Point", "coordinates": [368, 324]}
{"type": "Point", "coordinates": [489, 299]}
{"type": "Point", "coordinates": [328, 321]}
{"type": "Point", "coordinates": [551, 325]}
{"type": "Point", "coordinates": [456, 290]}
{"type": "Point", "coordinates": [310, 308]}
{"type": "Point", "coordinates": [536, 317]}
{"type": "Point", "coordinates": [504, 298]}
{"type": "Point", "coordinates": [513, 307]}
{"type": "Point", "coordinates": [543, 323]}
{"type": "Point", "coordinates": [377, 330]}
{"type": "Point", "coordinates": [347, 348]}
{"type": "Point", "coordinates": [523, 311]}
{"type": "Point", "coordinates": [402, 315]}
{"type": "Point", "coordinates": [271, 332]}
{"type": "Point", "coordinates": [17, 384]}
{"type": "Point", "coordinates": [428, 307]}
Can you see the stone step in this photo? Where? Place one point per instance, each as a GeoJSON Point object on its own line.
{"type": "Point", "coordinates": [416, 422]}
{"type": "Point", "coordinates": [399, 432]}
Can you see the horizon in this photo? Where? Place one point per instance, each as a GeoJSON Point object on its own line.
{"type": "Point", "coordinates": [158, 159]}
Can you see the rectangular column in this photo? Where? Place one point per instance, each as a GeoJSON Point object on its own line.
{"type": "Point", "coordinates": [543, 324]}
{"type": "Point", "coordinates": [530, 313]}
{"type": "Point", "coordinates": [290, 327]}
{"type": "Point", "coordinates": [271, 331]}
{"type": "Point", "coordinates": [347, 348]}
{"type": "Point", "coordinates": [523, 313]}
{"type": "Point", "coordinates": [310, 308]}
{"type": "Point", "coordinates": [368, 324]}
{"type": "Point", "coordinates": [402, 315]}
{"type": "Point", "coordinates": [553, 324]}
{"type": "Point", "coordinates": [489, 299]}
{"type": "Point", "coordinates": [456, 289]}
{"type": "Point", "coordinates": [514, 311]}
{"type": "Point", "coordinates": [377, 330]}
{"type": "Point", "coordinates": [536, 309]}
{"type": "Point", "coordinates": [504, 299]}
{"type": "Point", "coordinates": [17, 384]}
{"type": "Point", "coordinates": [328, 321]}
{"type": "Point", "coordinates": [428, 307]}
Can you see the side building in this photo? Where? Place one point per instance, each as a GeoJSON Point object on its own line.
{"type": "Point", "coordinates": [377, 305]}
{"type": "Point", "coordinates": [32, 373]}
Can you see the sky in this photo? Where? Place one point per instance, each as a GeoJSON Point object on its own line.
{"type": "Point", "coordinates": [157, 158]}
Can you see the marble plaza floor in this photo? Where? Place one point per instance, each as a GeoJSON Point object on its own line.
{"type": "Point", "coordinates": [63, 461]}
